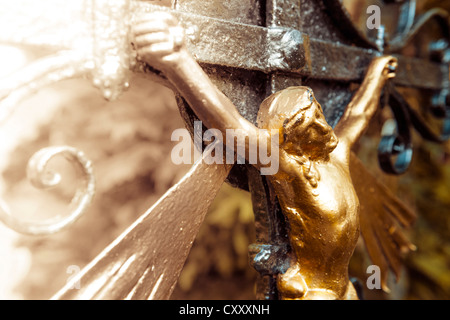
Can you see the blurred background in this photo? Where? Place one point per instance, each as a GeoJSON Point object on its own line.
{"type": "Point", "coordinates": [128, 141]}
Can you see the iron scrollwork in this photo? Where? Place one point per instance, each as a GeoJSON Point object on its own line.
{"type": "Point", "coordinates": [41, 177]}
{"type": "Point", "coordinates": [102, 52]}
{"type": "Point", "coordinates": [395, 150]}
{"type": "Point", "coordinates": [398, 144]}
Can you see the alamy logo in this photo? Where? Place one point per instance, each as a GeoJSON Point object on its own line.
{"type": "Point", "coordinates": [239, 146]}
{"type": "Point", "coordinates": [374, 280]}
{"type": "Point", "coordinates": [374, 20]}
{"type": "Point", "coordinates": [73, 270]}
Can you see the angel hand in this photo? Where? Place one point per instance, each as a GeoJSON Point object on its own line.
{"type": "Point", "coordinates": [159, 40]}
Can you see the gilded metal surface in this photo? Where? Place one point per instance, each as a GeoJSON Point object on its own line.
{"type": "Point", "coordinates": [146, 260]}
{"type": "Point", "coordinates": [313, 184]}
{"type": "Point", "coordinates": [382, 217]}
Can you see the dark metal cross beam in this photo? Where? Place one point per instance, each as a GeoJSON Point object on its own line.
{"type": "Point", "coordinates": [287, 50]}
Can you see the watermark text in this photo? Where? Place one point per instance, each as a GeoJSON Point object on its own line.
{"type": "Point", "coordinates": [260, 148]}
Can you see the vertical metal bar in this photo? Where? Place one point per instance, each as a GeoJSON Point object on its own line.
{"type": "Point", "coordinates": [283, 14]}
{"type": "Point", "coordinates": [268, 217]}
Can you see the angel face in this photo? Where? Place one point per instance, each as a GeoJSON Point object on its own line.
{"type": "Point", "coordinates": [310, 134]}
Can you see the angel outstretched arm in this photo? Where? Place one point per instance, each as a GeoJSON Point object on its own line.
{"type": "Point", "coordinates": [159, 42]}
{"type": "Point", "coordinates": [365, 102]}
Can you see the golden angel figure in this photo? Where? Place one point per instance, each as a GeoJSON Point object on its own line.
{"type": "Point", "coordinates": [314, 183]}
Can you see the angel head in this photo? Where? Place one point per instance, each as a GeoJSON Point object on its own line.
{"type": "Point", "coordinates": [299, 117]}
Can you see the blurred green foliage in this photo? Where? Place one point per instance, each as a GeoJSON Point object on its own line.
{"type": "Point", "coordinates": [428, 182]}
{"type": "Point", "coordinates": [220, 250]}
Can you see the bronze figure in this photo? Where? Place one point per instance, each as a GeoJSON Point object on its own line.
{"type": "Point", "coordinates": [313, 183]}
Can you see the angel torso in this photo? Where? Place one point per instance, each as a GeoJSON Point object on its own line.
{"type": "Point", "coordinates": [322, 214]}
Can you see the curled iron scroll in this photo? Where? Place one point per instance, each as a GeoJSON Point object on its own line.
{"type": "Point", "coordinates": [43, 72]}
{"type": "Point", "coordinates": [99, 47]}
{"type": "Point", "coordinates": [397, 144]}
{"type": "Point", "coordinates": [43, 178]}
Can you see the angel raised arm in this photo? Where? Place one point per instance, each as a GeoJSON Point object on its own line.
{"type": "Point", "coordinates": [313, 182]}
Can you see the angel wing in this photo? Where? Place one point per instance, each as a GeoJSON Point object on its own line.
{"type": "Point", "coordinates": [146, 260]}
{"type": "Point", "coordinates": [382, 217]}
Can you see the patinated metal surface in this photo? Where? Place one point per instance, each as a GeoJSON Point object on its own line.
{"type": "Point", "coordinates": [282, 48]}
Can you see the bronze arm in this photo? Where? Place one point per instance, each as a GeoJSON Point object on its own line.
{"type": "Point", "coordinates": [366, 100]}
{"type": "Point", "coordinates": [160, 43]}
{"type": "Point", "coordinates": [208, 103]}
